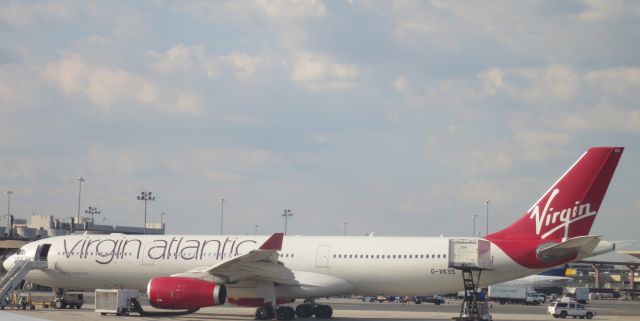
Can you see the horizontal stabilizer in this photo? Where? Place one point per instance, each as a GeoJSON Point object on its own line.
{"type": "Point", "coordinates": [577, 247]}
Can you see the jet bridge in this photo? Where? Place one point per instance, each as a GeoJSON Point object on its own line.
{"type": "Point", "coordinates": [471, 256]}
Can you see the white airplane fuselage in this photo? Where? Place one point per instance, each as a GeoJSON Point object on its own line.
{"type": "Point", "coordinates": [338, 265]}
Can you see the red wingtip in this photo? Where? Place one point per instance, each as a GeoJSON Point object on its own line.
{"type": "Point", "coordinates": [274, 242]}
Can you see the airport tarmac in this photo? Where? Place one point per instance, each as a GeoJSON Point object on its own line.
{"type": "Point", "coordinates": [344, 309]}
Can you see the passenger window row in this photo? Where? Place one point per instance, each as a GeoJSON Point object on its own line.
{"type": "Point", "coordinates": [388, 256]}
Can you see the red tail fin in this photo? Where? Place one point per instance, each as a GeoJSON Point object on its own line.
{"type": "Point", "coordinates": [569, 207]}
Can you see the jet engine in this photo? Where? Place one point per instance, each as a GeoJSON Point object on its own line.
{"type": "Point", "coordinates": [177, 293]}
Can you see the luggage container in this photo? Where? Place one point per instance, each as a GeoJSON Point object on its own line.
{"type": "Point", "coordinates": [115, 301]}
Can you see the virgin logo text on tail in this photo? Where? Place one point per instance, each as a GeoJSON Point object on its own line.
{"type": "Point", "coordinates": [565, 216]}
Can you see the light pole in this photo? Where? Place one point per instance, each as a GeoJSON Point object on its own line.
{"type": "Point", "coordinates": [487, 202]}
{"type": "Point", "coordinates": [9, 192]}
{"type": "Point", "coordinates": [221, 214]}
{"type": "Point", "coordinates": [80, 180]}
{"type": "Point", "coordinates": [345, 228]}
{"type": "Point", "coordinates": [474, 224]}
{"type": "Point", "coordinates": [286, 214]}
{"type": "Point", "coordinates": [145, 196]}
{"type": "Point", "coordinates": [103, 219]}
{"type": "Point", "coordinates": [163, 214]}
{"type": "Point", "coordinates": [92, 210]}
{"type": "Point", "coordinates": [255, 232]}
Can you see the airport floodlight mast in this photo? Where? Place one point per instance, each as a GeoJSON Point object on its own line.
{"type": "Point", "coordinates": [286, 214]}
{"type": "Point", "coordinates": [9, 192]}
{"type": "Point", "coordinates": [163, 214]}
{"type": "Point", "coordinates": [255, 232]}
{"type": "Point", "coordinates": [146, 196]}
{"type": "Point", "coordinates": [92, 210]}
{"type": "Point", "coordinates": [488, 202]}
{"type": "Point", "coordinates": [345, 228]}
{"type": "Point", "coordinates": [474, 215]}
{"type": "Point", "coordinates": [221, 214]}
{"type": "Point", "coordinates": [80, 180]}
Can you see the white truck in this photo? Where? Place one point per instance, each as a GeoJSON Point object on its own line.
{"type": "Point", "coordinates": [581, 295]}
{"type": "Point", "coordinates": [515, 295]}
{"type": "Point", "coordinates": [572, 309]}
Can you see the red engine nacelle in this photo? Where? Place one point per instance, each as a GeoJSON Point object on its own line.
{"type": "Point", "coordinates": [180, 293]}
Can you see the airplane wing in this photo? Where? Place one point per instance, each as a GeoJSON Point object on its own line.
{"type": "Point", "coordinates": [258, 264]}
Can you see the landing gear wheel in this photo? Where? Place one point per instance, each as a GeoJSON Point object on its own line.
{"type": "Point", "coordinates": [324, 312]}
{"type": "Point", "coordinates": [285, 313]}
{"type": "Point", "coordinates": [60, 304]}
{"type": "Point", "coordinates": [304, 310]}
{"type": "Point", "coordinates": [264, 313]}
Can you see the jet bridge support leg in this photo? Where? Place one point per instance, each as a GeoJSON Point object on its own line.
{"type": "Point", "coordinates": [471, 256]}
{"type": "Point", "coordinates": [471, 309]}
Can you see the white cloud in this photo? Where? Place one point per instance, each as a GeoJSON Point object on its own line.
{"type": "Point", "coordinates": [292, 8]}
{"type": "Point", "coordinates": [319, 72]}
{"type": "Point", "coordinates": [125, 160]}
{"type": "Point", "coordinates": [603, 117]}
{"type": "Point", "coordinates": [182, 58]}
{"type": "Point", "coordinates": [13, 87]}
{"type": "Point", "coordinates": [533, 85]}
{"type": "Point", "coordinates": [622, 80]}
{"type": "Point", "coordinates": [555, 80]}
{"type": "Point", "coordinates": [492, 81]}
{"type": "Point", "coordinates": [476, 191]}
{"type": "Point", "coordinates": [597, 11]}
{"type": "Point", "coordinates": [129, 25]}
{"type": "Point", "coordinates": [113, 89]}
{"type": "Point", "coordinates": [401, 84]}
{"type": "Point", "coordinates": [537, 145]}
{"type": "Point", "coordinates": [465, 155]}
{"type": "Point", "coordinates": [457, 94]}
{"type": "Point", "coordinates": [243, 64]}
{"type": "Point", "coordinates": [19, 14]}
{"type": "Point", "coordinates": [195, 59]}
{"type": "Point", "coordinates": [321, 138]}
{"type": "Point", "coordinates": [20, 169]}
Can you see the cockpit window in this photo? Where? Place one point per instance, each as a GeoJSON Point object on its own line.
{"type": "Point", "coordinates": [20, 252]}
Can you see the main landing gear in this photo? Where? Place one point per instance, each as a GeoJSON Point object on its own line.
{"type": "Point", "coordinates": [306, 310]}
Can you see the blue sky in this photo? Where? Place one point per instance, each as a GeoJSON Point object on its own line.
{"type": "Point", "coordinates": [400, 118]}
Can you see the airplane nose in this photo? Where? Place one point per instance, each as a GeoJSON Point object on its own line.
{"type": "Point", "coordinates": [8, 263]}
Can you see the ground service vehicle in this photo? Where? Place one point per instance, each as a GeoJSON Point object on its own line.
{"type": "Point", "coordinates": [515, 295]}
{"type": "Point", "coordinates": [68, 300]}
{"type": "Point", "coordinates": [581, 295]}
{"type": "Point", "coordinates": [435, 299]}
{"type": "Point", "coordinates": [573, 309]}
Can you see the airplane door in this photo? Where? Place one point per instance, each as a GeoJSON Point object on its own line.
{"type": "Point", "coordinates": [146, 254]}
{"type": "Point", "coordinates": [322, 256]}
{"type": "Point", "coordinates": [42, 252]}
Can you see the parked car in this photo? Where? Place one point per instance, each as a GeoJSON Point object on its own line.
{"type": "Point", "coordinates": [368, 298]}
{"type": "Point", "coordinates": [573, 309]}
{"type": "Point", "coordinates": [435, 299]}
